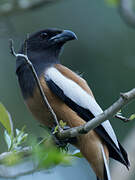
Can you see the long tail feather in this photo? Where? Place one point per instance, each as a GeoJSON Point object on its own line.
{"type": "Point", "coordinates": [106, 168]}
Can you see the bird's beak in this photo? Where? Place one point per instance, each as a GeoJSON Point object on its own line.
{"type": "Point", "coordinates": [64, 36]}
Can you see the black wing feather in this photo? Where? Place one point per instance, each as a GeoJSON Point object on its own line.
{"type": "Point", "coordinates": [82, 112]}
{"type": "Point", "coordinates": [114, 152]}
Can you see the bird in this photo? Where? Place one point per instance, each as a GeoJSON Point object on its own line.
{"type": "Point", "coordinates": [70, 97]}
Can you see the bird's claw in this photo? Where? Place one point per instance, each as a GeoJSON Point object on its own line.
{"type": "Point", "coordinates": [63, 142]}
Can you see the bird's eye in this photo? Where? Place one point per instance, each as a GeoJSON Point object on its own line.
{"type": "Point", "coordinates": [43, 35]}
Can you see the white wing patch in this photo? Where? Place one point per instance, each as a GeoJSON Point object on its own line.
{"type": "Point", "coordinates": [79, 96]}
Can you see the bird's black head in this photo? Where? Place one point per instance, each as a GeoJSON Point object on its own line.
{"type": "Point", "coordinates": [49, 40]}
{"type": "Point", "coordinates": [44, 47]}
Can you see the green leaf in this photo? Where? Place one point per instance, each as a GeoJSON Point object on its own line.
{"type": "Point", "coordinates": [6, 120]}
{"type": "Point", "coordinates": [77, 153]}
{"type": "Point", "coordinates": [132, 117]}
{"type": "Point", "coordinates": [48, 155]}
{"type": "Point", "coordinates": [62, 124]}
{"type": "Point", "coordinates": [20, 136]}
{"type": "Point", "coordinates": [56, 130]}
{"type": "Point", "coordinates": [8, 139]}
{"type": "Point", "coordinates": [12, 159]}
{"type": "Point", "coordinates": [18, 139]}
{"type": "Point", "coordinates": [113, 2]}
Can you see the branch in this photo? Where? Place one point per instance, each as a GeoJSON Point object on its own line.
{"type": "Point", "coordinates": [17, 170]}
{"type": "Point", "coordinates": [15, 6]}
{"type": "Point", "coordinates": [126, 12]}
{"type": "Point", "coordinates": [124, 119]}
{"type": "Point", "coordinates": [124, 99]}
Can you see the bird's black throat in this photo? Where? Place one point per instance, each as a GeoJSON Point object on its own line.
{"type": "Point", "coordinates": [25, 76]}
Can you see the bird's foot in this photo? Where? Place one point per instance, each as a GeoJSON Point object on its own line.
{"type": "Point", "coordinates": [63, 142]}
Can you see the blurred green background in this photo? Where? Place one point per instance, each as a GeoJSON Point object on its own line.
{"type": "Point", "coordinates": [104, 53]}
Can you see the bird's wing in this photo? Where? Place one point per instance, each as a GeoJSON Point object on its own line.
{"type": "Point", "coordinates": [86, 107]}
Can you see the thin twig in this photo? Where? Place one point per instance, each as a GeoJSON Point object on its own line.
{"type": "Point", "coordinates": [18, 7]}
{"type": "Point", "coordinates": [126, 12]}
{"type": "Point", "coordinates": [124, 119]}
{"type": "Point", "coordinates": [36, 79]}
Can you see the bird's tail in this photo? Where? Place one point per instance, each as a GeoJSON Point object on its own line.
{"type": "Point", "coordinates": [96, 153]}
{"type": "Point", "coordinates": [106, 168]}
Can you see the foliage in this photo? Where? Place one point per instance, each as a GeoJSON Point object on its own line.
{"type": "Point", "coordinates": [14, 143]}
{"type": "Point", "coordinates": [48, 155]}
{"type": "Point", "coordinates": [45, 152]}
{"type": "Point", "coordinates": [120, 115]}
{"type": "Point", "coordinates": [12, 159]}
{"type": "Point", "coordinates": [62, 124]}
{"type": "Point", "coordinates": [113, 2]}
{"type": "Point", "coordinates": [132, 117]}
{"type": "Point", "coordinates": [5, 119]}
{"type": "Point", "coordinates": [77, 153]}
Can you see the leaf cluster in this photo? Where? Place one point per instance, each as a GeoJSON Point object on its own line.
{"type": "Point", "coordinates": [45, 153]}
{"type": "Point", "coordinates": [113, 2]}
